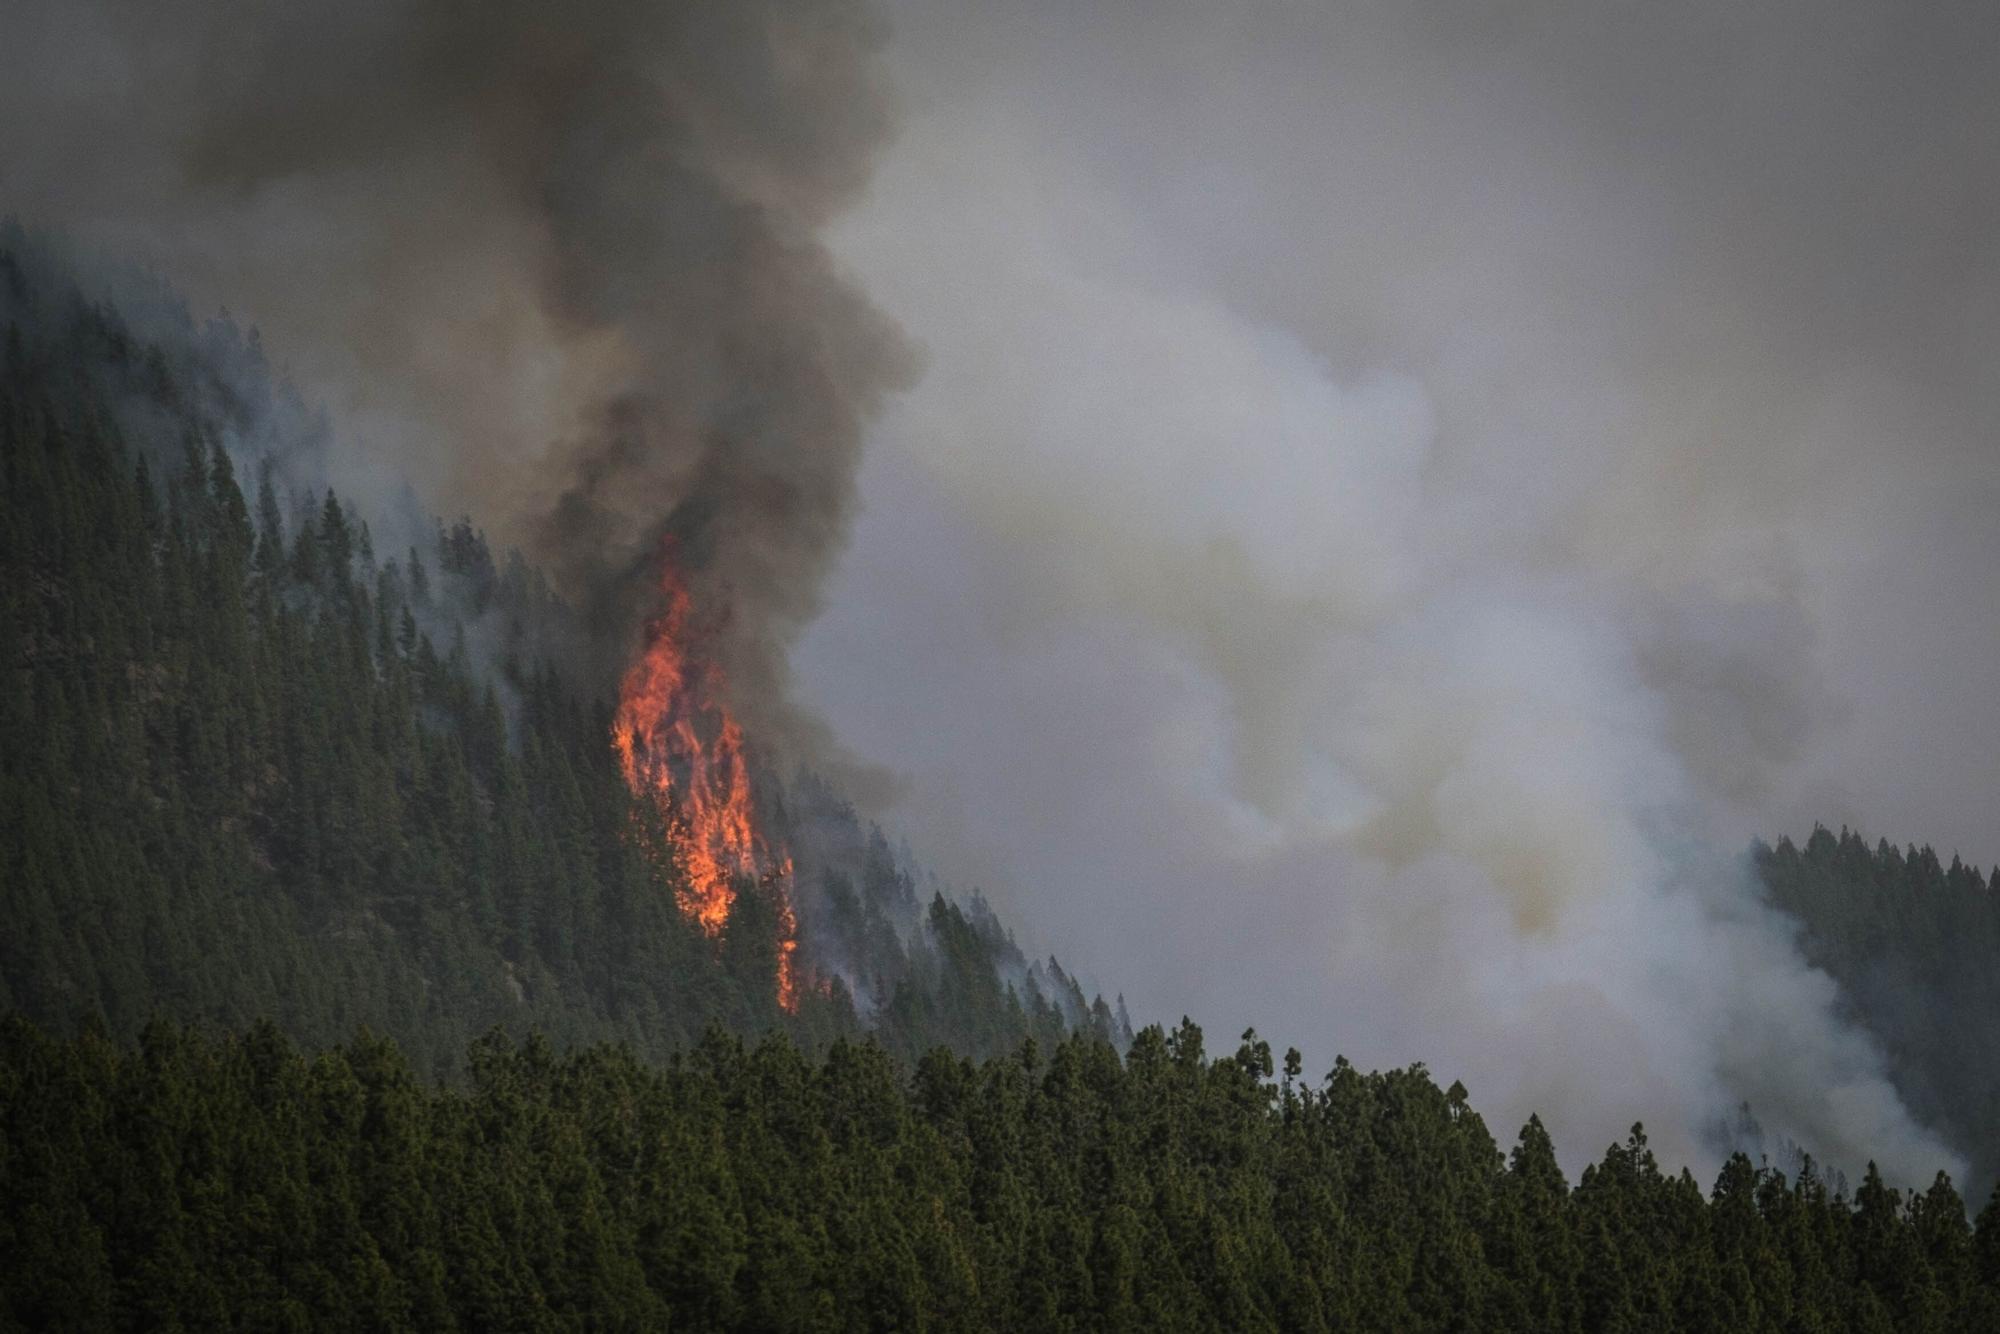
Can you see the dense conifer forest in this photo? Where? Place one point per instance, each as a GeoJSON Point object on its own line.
{"type": "Point", "coordinates": [1915, 946]}
{"type": "Point", "coordinates": [201, 1184]}
{"type": "Point", "coordinates": [256, 768]}
{"type": "Point", "coordinates": [297, 818]}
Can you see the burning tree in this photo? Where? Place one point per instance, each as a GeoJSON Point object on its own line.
{"type": "Point", "coordinates": [681, 748]}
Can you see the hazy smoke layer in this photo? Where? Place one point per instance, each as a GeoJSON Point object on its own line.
{"type": "Point", "coordinates": [1397, 487]}
{"type": "Point", "coordinates": [556, 260]}
{"type": "Point", "coordinates": [1400, 493]}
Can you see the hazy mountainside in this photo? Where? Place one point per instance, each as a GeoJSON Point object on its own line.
{"type": "Point", "coordinates": [262, 774]}
{"type": "Point", "coordinates": [255, 768]}
{"type": "Point", "coordinates": [238, 1184]}
{"type": "Point", "coordinates": [1915, 947]}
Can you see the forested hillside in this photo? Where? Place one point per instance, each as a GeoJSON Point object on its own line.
{"type": "Point", "coordinates": [1915, 946]}
{"type": "Point", "coordinates": [269, 774]}
{"type": "Point", "coordinates": [240, 1184]}
{"type": "Point", "coordinates": [254, 767]}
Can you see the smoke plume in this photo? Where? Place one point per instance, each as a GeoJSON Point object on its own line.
{"type": "Point", "coordinates": [559, 263]}
{"type": "Point", "coordinates": [1400, 494]}
{"type": "Point", "coordinates": [1394, 487]}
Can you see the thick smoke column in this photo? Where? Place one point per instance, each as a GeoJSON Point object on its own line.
{"type": "Point", "coordinates": [1413, 486]}
{"type": "Point", "coordinates": [559, 261]}
{"type": "Point", "coordinates": [679, 204]}
{"type": "Point", "coordinates": [1389, 471]}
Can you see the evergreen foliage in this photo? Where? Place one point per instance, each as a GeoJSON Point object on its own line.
{"type": "Point", "coordinates": [240, 1183]}
{"type": "Point", "coordinates": [252, 769]}
{"type": "Point", "coordinates": [1913, 943]}
{"type": "Point", "coordinates": [260, 778]}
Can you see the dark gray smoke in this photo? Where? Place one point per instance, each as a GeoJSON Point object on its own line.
{"type": "Point", "coordinates": [559, 261]}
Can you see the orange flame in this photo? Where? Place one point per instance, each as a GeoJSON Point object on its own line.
{"type": "Point", "coordinates": [678, 744]}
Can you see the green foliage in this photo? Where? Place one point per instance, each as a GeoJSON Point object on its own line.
{"type": "Point", "coordinates": [251, 771]}
{"type": "Point", "coordinates": [1913, 944]}
{"type": "Point", "coordinates": [192, 1182]}
{"type": "Point", "coordinates": [258, 779]}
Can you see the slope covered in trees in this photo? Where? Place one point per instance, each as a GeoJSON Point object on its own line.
{"type": "Point", "coordinates": [1915, 947]}
{"type": "Point", "coordinates": [255, 767]}
{"type": "Point", "coordinates": [200, 1184]}
{"type": "Point", "coordinates": [264, 774]}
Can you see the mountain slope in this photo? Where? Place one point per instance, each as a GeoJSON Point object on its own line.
{"type": "Point", "coordinates": [257, 769]}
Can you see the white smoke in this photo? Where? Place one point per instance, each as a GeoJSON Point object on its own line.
{"type": "Point", "coordinates": [1411, 703]}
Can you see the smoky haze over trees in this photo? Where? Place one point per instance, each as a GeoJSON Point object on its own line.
{"type": "Point", "coordinates": [1912, 941]}
{"type": "Point", "coordinates": [253, 770]}
{"type": "Point", "coordinates": [1402, 481]}
{"type": "Point", "coordinates": [572, 252]}
{"type": "Point", "coordinates": [1395, 499]}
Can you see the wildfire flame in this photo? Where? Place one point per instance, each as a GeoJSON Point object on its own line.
{"type": "Point", "coordinates": [679, 746]}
